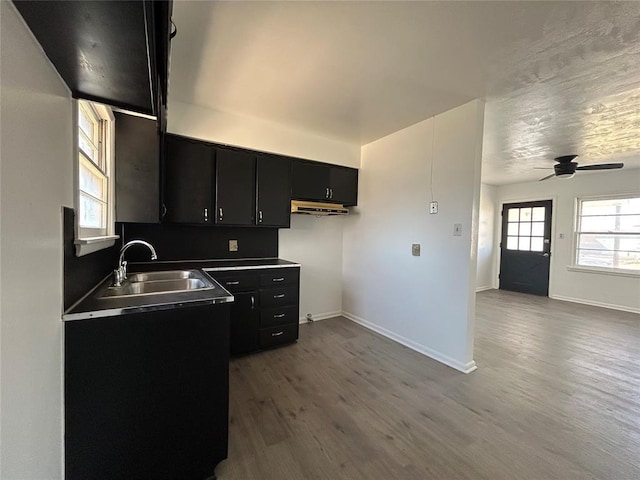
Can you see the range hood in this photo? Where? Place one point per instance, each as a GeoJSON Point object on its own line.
{"type": "Point", "coordinates": [317, 208]}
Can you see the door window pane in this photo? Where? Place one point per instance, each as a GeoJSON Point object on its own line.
{"type": "Point", "coordinates": [512, 229]}
{"type": "Point", "coordinates": [524, 243]}
{"type": "Point", "coordinates": [537, 214]}
{"type": "Point", "coordinates": [512, 243]}
{"type": "Point", "coordinates": [537, 244]}
{"type": "Point", "coordinates": [525, 229]}
{"type": "Point", "coordinates": [513, 215]}
{"type": "Point", "coordinates": [525, 214]}
{"type": "Point", "coordinates": [537, 229]}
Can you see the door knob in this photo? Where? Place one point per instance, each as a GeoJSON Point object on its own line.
{"type": "Point", "coordinates": [545, 254]}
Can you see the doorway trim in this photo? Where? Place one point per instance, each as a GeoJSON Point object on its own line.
{"type": "Point", "coordinates": [498, 234]}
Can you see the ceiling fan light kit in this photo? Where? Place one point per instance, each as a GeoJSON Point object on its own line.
{"type": "Point", "coordinates": [566, 167]}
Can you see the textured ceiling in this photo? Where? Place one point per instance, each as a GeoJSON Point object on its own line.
{"type": "Point", "coordinates": [558, 77]}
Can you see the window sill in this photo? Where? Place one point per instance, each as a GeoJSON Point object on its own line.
{"type": "Point", "coordinates": [87, 245]}
{"type": "Point", "coordinates": [605, 271]}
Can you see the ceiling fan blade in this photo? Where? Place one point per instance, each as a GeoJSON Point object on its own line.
{"type": "Point", "coordinates": [547, 177]}
{"type": "Point", "coordinates": [543, 168]}
{"type": "Point", "coordinates": [602, 166]}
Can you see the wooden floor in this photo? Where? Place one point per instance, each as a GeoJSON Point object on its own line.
{"type": "Point", "coordinates": [556, 396]}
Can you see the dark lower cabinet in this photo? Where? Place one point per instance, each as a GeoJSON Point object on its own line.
{"type": "Point", "coordinates": [146, 395]}
{"type": "Point", "coordinates": [266, 310]}
{"type": "Point", "coordinates": [246, 321]}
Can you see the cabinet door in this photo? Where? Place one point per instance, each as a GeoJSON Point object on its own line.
{"type": "Point", "coordinates": [188, 181]}
{"type": "Point", "coordinates": [273, 191]}
{"type": "Point", "coordinates": [343, 186]}
{"type": "Point", "coordinates": [137, 155]}
{"type": "Point", "coordinates": [245, 323]}
{"type": "Point", "coordinates": [235, 187]}
{"type": "Point", "coordinates": [309, 181]}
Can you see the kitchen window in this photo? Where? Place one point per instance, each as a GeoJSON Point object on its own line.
{"type": "Point", "coordinates": [94, 171]}
{"type": "Point", "coordinates": [608, 234]}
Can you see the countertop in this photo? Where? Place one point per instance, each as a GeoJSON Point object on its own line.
{"type": "Point", "coordinates": [92, 306]}
{"type": "Point", "coordinates": [216, 265]}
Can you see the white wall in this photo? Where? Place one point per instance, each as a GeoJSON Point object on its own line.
{"type": "Point", "coordinates": [215, 126]}
{"type": "Point", "coordinates": [486, 241]}
{"type": "Point", "coordinates": [426, 302]}
{"type": "Point", "coordinates": [316, 243]}
{"type": "Point", "coordinates": [611, 291]}
{"type": "Point", "coordinates": [36, 180]}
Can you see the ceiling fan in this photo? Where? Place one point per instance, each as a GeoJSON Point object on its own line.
{"type": "Point", "coordinates": [566, 167]}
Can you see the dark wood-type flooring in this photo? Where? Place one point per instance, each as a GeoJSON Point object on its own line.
{"type": "Point", "coordinates": [556, 396]}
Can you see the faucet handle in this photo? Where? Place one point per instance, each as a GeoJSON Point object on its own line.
{"type": "Point", "coordinates": [118, 277]}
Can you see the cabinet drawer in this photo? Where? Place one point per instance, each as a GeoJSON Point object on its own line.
{"type": "Point", "coordinates": [281, 276]}
{"type": "Point", "coordinates": [278, 316]}
{"type": "Point", "coordinates": [238, 282]}
{"type": "Point", "coordinates": [270, 337]}
{"type": "Point", "coordinates": [279, 296]}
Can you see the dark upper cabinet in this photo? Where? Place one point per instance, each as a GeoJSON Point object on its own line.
{"type": "Point", "coordinates": [235, 187]}
{"type": "Point", "coordinates": [310, 181]}
{"type": "Point", "coordinates": [273, 191]}
{"type": "Point", "coordinates": [188, 181]}
{"type": "Point", "coordinates": [137, 169]}
{"type": "Point", "coordinates": [343, 185]}
{"type": "Point", "coordinates": [324, 183]}
{"type": "Point", "coordinates": [111, 52]}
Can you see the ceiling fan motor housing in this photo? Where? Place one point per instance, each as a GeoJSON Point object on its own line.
{"type": "Point", "coordinates": [565, 169]}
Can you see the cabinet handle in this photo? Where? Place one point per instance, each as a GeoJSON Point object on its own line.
{"type": "Point", "coordinates": [277, 334]}
{"type": "Point", "coordinates": [253, 302]}
{"type": "Point", "coordinates": [326, 195]}
{"type": "Point", "coordinates": [331, 193]}
{"type": "Point", "coordinates": [164, 210]}
{"type": "Point", "coordinates": [206, 214]}
{"type": "Point", "coordinates": [221, 213]}
{"type": "Point", "coordinates": [233, 283]}
{"type": "Point", "coordinates": [279, 315]}
{"type": "Point", "coordinates": [260, 216]}
{"type": "Point", "coordinates": [280, 279]}
{"type": "Point", "coordinates": [279, 296]}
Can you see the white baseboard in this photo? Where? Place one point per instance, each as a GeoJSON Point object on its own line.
{"type": "Point", "coordinates": [429, 352]}
{"type": "Point", "coordinates": [321, 316]}
{"type": "Point", "coordinates": [482, 289]}
{"type": "Point", "coordinates": [595, 304]}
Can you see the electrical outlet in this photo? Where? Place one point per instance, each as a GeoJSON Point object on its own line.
{"type": "Point", "coordinates": [433, 207]}
{"type": "Point", "coordinates": [415, 249]}
{"type": "Point", "coordinates": [233, 245]}
{"type": "Point", "coordinates": [457, 229]}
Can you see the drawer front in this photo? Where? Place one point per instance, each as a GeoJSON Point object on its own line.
{"type": "Point", "coordinates": [280, 276]}
{"type": "Point", "coordinates": [279, 296]}
{"type": "Point", "coordinates": [270, 337]}
{"type": "Point", "coordinates": [238, 282]}
{"type": "Point", "coordinates": [273, 316]}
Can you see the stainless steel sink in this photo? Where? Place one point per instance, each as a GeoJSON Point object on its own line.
{"type": "Point", "coordinates": [156, 283]}
{"type": "Point", "coordinates": [165, 275]}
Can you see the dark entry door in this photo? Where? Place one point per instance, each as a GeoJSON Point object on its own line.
{"type": "Point", "coordinates": [525, 247]}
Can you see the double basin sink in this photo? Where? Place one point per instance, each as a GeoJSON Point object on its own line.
{"type": "Point", "coordinates": [157, 283]}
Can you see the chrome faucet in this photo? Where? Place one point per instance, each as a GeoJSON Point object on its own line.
{"type": "Point", "coordinates": [120, 273]}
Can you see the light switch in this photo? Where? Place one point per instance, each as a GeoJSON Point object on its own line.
{"type": "Point", "coordinates": [415, 249]}
{"type": "Point", "coordinates": [233, 245]}
{"type": "Point", "coordinates": [457, 229]}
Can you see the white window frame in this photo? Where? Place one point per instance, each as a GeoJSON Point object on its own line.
{"type": "Point", "coordinates": [88, 240]}
{"type": "Point", "coordinates": [625, 272]}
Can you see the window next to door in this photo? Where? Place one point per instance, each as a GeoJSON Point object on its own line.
{"type": "Point", "coordinates": [94, 189]}
{"type": "Point", "coordinates": [607, 236]}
